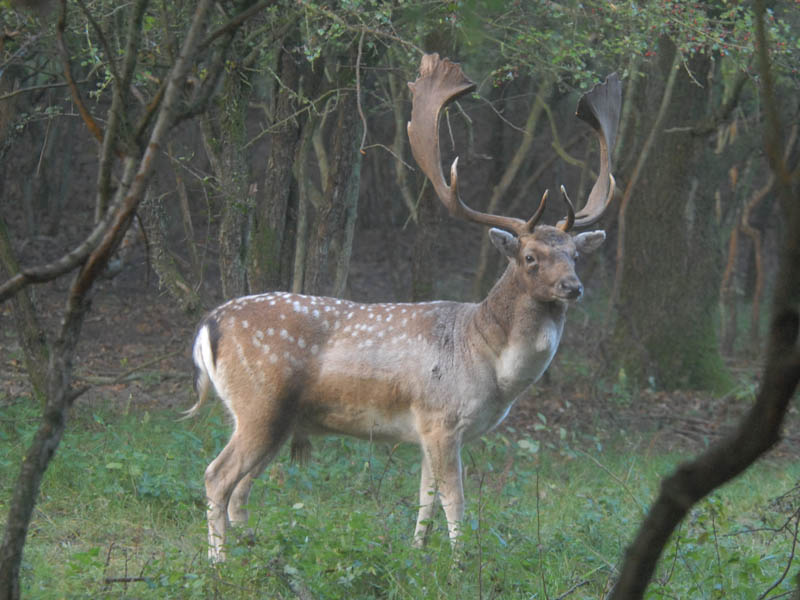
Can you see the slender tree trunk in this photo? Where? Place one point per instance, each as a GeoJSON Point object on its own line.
{"type": "Point", "coordinates": [30, 334]}
{"type": "Point", "coordinates": [59, 398]}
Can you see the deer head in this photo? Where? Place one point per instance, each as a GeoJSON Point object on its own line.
{"type": "Point", "coordinates": [543, 256]}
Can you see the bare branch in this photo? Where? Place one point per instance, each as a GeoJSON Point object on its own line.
{"type": "Point", "coordinates": [59, 267]}
{"type": "Point", "coordinates": [63, 52]}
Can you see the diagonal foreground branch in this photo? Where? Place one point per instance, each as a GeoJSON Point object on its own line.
{"type": "Point", "coordinates": [760, 429]}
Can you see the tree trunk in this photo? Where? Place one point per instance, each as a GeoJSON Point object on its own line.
{"type": "Point", "coordinates": [670, 263]}
{"type": "Point", "coordinates": [30, 334]}
{"type": "Point", "coordinates": [169, 275]}
{"type": "Point", "coordinates": [59, 398]}
{"type": "Point", "coordinates": [233, 177]}
{"type": "Point", "coordinates": [269, 263]}
{"type": "Point", "coordinates": [429, 222]}
{"type": "Point", "coordinates": [331, 235]}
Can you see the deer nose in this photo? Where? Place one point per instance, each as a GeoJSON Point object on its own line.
{"type": "Point", "coordinates": [571, 288]}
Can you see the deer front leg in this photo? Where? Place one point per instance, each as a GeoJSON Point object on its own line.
{"type": "Point", "coordinates": [427, 502]}
{"type": "Point", "coordinates": [444, 453]}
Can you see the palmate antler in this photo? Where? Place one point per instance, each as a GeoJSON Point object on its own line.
{"type": "Point", "coordinates": [441, 81]}
{"type": "Point", "coordinates": [599, 107]}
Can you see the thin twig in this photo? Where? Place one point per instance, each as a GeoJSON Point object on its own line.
{"type": "Point", "coordinates": [615, 478]}
{"type": "Point", "coordinates": [358, 93]}
{"type": "Point", "coordinates": [63, 51]}
{"type": "Point", "coordinates": [144, 365]}
{"type": "Point", "coordinates": [539, 539]}
{"type": "Point", "coordinates": [125, 579]}
{"type": "Point", "coordinates": [788, 562]}
{"type": "Point", "coordinates": [572, 589]}
{"type": "Point", "coordinates": [392, 152]}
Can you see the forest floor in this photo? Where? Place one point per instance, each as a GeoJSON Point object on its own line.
{"type": "Point", "coordinates": [135, 353]}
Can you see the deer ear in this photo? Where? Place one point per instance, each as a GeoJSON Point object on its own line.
{"type": "Point", "coordinates": [506, 242]}
{"type": "Point", "coordinates": [589, 241]}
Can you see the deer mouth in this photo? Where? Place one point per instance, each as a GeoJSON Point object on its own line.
{"type": "Point", "coordinates": [569, 290]}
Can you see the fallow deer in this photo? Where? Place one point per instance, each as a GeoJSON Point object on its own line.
{"type": "Point", "coordinates": [435, 374]}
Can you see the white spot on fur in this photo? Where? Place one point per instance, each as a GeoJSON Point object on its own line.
{"type": "Point", "coordinates": [301, 342]}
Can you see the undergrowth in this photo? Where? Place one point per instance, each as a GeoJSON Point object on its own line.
{"type": "Point", "coordinates": [121, 515]}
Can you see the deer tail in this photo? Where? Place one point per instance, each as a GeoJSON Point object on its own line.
{"type": "Point", "coordinates": [204, 358]}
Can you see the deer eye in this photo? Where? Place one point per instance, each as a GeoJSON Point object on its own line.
{"type": "Point", "coordinates": [530, 259]}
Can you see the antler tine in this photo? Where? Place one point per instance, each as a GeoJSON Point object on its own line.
{"type": "Point", "coordinates": [441, 81]}
{"type": "Point", "coordinates": [567, 224]}
{"type": "Point", "coordinates": [600, 108]}
{"type": "Point", "coordinates": [538, 214]}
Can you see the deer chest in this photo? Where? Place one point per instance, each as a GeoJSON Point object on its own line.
{"type": "Point", "coordinates": [526, 357]}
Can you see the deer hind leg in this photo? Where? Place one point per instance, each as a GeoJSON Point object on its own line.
{"type": "Point", "coordinates": [443, 452]}
{"type": "Point", "coordinates": [237, 505]}
{"type": "Point", "coordinates": [427, 502]}
{"type": "Point", "coordinates": [241, 459]}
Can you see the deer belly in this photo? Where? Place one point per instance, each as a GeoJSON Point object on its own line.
{"type": "Point", "coordinates": [355, 407]}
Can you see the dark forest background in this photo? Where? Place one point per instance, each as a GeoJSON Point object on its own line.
{"type": "Point", "coordinates": [182, 153]}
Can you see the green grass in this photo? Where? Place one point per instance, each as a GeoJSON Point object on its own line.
{"type": "Point", "coordinates": [123, 498]}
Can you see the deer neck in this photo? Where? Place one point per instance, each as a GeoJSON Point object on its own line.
{"type": "Point", "coordinates": [519, 333]}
